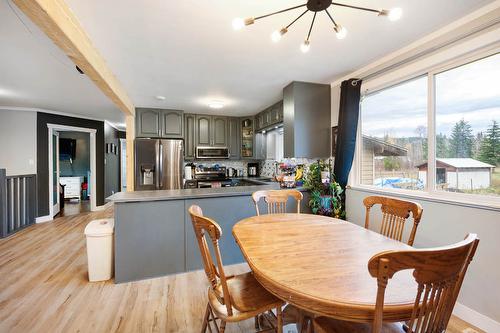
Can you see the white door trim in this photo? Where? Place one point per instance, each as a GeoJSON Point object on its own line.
{"type": "Point", "coordinates": [93, 167]}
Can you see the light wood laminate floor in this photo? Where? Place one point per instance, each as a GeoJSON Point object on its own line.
{"type": "Point", "coordinates": [44, 288]}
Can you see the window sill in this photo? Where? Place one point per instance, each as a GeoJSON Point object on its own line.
{"type": "Point", "coordinates": [439, 197]}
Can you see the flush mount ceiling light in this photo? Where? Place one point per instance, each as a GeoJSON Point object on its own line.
{"type": "Point", "coordinates": [160, 98]}
{"type": "Point", "coordinates": [316, 6]}
{"type": "Point", "coordinates": [216, 105]}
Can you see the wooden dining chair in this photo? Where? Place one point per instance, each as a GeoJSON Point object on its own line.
{"type": "Point", "coordinates": [231, 298]}
{"type": "Point", "coordinates": [395, 213]}
{"type": "Point", "coordinates": [276, 200]}
{"type": "Point", "coordinates": [439, 273]}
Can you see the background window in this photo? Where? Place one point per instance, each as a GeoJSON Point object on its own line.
{"type": "Point", "coordinates": [394, 136]}
{"type": "Point", "coordinates": [468, 128]}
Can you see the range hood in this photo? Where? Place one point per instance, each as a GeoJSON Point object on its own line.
{"type": "Point", "coordinates": [307, 120]}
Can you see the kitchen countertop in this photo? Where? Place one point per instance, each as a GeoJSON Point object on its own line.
{"type": "Point", "coordinates": [189, 193]}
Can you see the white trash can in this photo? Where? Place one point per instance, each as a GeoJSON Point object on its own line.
{"type": "Point", "coordinates": [100, 256]}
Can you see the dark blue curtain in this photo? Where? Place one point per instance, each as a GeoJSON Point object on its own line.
{"type": "Point", "coordinates": [350, 92]}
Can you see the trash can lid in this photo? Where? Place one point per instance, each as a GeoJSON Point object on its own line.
{"type": "Point", "coordinates": [102, 227]}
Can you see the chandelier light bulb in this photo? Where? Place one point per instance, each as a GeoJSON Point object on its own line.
{"type": "Point", "coordinates": [238, 23]}
{"type": "Point", "coordinates": [395, 14]}
{"type": "Point", "coordinates": [304, 47]}
{"type": "Point", "coordinates": [276, 36]}
{"type": "Point", "coordinates": [340, 32]}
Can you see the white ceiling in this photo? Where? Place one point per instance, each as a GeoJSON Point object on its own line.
{"type": "Point", "coordinates": [34, 73]}
{"type": "Point", "coordinates": [188, 52]}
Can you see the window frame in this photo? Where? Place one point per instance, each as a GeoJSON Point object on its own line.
{"type": "Point", "coordinates": [429, 192]}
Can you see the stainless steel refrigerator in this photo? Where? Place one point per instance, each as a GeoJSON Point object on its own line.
{"type": "Point", "coordinates": [158, 164]}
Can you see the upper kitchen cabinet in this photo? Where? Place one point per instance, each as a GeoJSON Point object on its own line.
{"type": "Point", "coordinates": [307, 120]}
{"type": "Point", "coordinates": [203, 130]}
{"type": "Point", "coordinates": [211, 131]}
{"type": "Point", "coordinates": [189, 136]}
{"type": "Point", "coordinates": [172, 124]}
{"type": "Point", "coordinates": [247, 137]}
{"type": "Point", "coordinates": [219, 131]}
{"type": "Point", "coordinates": [276, 113]}
{"type": "Point", "coordinates": [147, 123]}
{"type": "Point", "coordinates": [234, 138]}
{"type": "Point", "coordinates": [270, 117]}
{"type": "Point", "coordinates": [159, 123]}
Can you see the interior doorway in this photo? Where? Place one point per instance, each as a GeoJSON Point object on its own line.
{"type": "Point", "coordinates": [72, 169]}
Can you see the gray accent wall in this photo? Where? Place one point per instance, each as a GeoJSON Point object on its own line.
{"type": "Point", "coordinates": [444, 224]}
{"type": "Point", "coordinates": [42, 143]}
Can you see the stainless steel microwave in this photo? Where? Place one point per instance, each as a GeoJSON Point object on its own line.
{"type": "Point", "coordinates": [212, 152]}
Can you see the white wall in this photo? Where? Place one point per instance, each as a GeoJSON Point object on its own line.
{"type": "Point", "coordinates": [478, 179]}
{"type": "Point", "coordinates": [444, 224]}
{"type": "Point", "coordinates": [18, 142]}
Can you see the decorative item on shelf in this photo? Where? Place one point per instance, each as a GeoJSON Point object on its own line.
{"type": "Point", "coordinates": [316, 6]}
{"type": "Point", "coordinates": [287, 175]}
{"type": "Point", "coordinates": [326, 193]}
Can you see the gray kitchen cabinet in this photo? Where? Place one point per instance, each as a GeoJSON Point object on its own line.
{"type": "Point", "coordinates": [203, 130]}
{"type": "Point", "coordinates": [259, 121]}
{"type": "Point", "coordinates": [159, 123]}
{"type": "Point", "coordinates": [234, 138]}
{"type": "Point", "coordinates": [277, 113]}
{"type": "Point", "coordinates": [219, 131]}
{"type": "Point", "coordinates": [260, 151]}
{"type": "Point", "coordinates": [189, 136]}
{"type": "Point", "coordinates": [307, 125]}
{"type": "Point", "coordinates": [147, 122]}
{"type": "Point", "coordinates": [172, 124]}
{"type": "Point", "coordinates": [247, 137]}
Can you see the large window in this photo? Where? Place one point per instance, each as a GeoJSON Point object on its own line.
{"type": "Point", "coordinates": [394, 136]}
{"type": "Point", "coordinates": [468, 128]}
{"type": "Point", "coordinates": [465, 158]}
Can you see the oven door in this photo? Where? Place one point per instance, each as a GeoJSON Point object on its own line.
{"type": "Point", "coordinates": [204, 184]}
{"type": "Point", "coordinates": [212, 152]}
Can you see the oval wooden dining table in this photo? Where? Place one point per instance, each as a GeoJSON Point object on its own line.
{"type": "Point", "coordinates": [320, 264]}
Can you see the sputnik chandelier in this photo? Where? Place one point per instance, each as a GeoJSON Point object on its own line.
{"type": "Point", "coordinates": [315, 6]}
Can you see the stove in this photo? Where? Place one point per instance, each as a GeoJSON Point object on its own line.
{"type": "Point", "coordinates": [212, 177]}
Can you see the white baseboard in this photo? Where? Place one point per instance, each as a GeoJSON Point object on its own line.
{"type": "Point", "coordinates": [103, 207]}
{"type": "Point", "coordinates": [475, 318]}
{"type": "Point", "coordinates": [43, 219]}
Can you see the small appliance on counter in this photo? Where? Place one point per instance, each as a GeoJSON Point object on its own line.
{"type": "Point", "coordinates": [231, 172]}
{"type": "Point", "coordinates": [191, 183]}
{"type": "Point", "coordinates": [253, 169]}
{"type": "Point", "coordinates": [188, 171]}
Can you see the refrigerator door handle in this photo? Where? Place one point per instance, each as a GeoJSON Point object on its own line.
{"type": "Point", "coordinates": [161, 166]}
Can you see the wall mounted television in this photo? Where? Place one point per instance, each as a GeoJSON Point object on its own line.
{"type": "Point", "coordinates": [67, 149]}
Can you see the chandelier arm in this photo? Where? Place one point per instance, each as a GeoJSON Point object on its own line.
{"type": "Point", "coordinates": [288, 26]}
{"type": "Point", "coordinates": [311, 27]}
{"type": "Point", "coordinates": [356, 7]}
{"type": "Point", "coordinates": [279, 11]}
{"type": "Point", "coordinates": [331, 18]}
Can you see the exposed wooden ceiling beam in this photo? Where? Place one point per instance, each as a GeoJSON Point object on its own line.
{"type": "Point", "coordinates": [58, 22]}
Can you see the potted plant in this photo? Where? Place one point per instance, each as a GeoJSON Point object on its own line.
{"type": "Point", "coordinates": [325, 192]}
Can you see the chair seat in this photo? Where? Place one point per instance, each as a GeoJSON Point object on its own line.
{"type": "Point", "coordinates": [330, 325]}
{"type": "Point", "coordinates": [248, 295]}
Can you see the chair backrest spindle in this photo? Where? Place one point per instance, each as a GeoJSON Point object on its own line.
{"type": "Point", "coordinates": [276, 200]}
{"type": "Point", "coordinates": [439, 273]}
{"type": "Point", "coordinates": [395, 213]}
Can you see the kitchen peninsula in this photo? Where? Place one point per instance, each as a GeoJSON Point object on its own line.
{"type": "Point", "coordinates": [153, 232]}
